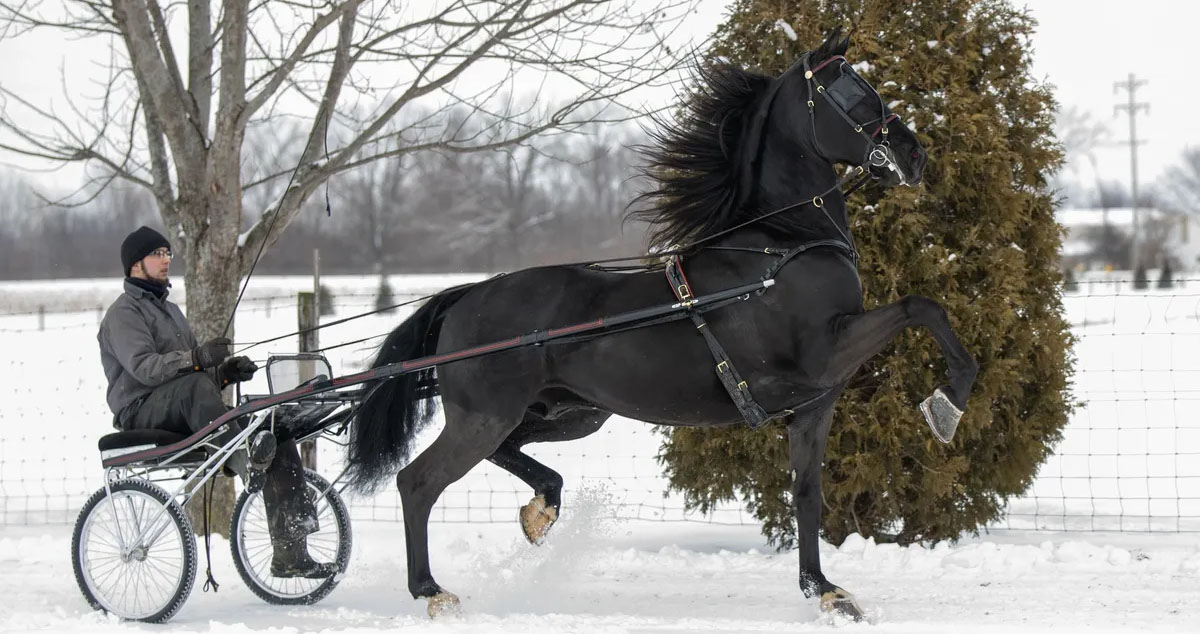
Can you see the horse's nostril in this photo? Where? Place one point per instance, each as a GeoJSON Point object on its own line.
{"type": "Point", "coordinates": [916, 154]}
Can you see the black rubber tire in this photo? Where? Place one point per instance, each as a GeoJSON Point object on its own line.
{"type": "Point", "coordinates": [137, 499]}
{"type": "Point", "coordinates": [250, 544]}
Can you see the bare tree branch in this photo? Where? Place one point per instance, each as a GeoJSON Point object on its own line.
{"type": "Point", "coordinates": [285, 68]}
{"type": "Point", "coordinates": [452, 76]}
{"type": "Point", "coordinates": [200, 60]}
{"type": "Point", "coordinates": [163, 93]}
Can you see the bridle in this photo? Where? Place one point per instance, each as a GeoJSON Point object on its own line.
{"type": "Point", "coordinates": [842, 95]}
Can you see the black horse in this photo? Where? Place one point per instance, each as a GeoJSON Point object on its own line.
{"type": "Point", "coordinates": [749, 147]}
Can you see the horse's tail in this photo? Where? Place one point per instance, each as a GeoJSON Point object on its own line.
{"type": "Point", "coordinates": [396, 408]}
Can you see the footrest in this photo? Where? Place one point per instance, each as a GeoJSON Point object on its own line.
{"type": "Point", "coordinates": [292, 420]}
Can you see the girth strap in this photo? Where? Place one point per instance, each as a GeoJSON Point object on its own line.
{"type": "Point", "coordinates": [737, 388]}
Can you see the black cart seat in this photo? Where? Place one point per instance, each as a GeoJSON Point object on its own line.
{"type": "Point", "coordinates": [133, 441]}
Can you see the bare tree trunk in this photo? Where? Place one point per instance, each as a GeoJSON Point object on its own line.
{"type": "Point", "coordinates": [212, 285]}
{"type": "Point", "coordinates": [175, 125]}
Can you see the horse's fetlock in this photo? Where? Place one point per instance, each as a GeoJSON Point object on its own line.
{"type": "Point", "coordinates": [424, 590]}
{"type": "Point", "coordinates": [812, 584]}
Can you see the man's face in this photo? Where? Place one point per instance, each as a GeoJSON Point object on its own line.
{"type": "Point", "coordinates": [154, 267]}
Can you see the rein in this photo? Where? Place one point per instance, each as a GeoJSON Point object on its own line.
{"type": "Point", "coordinates": [876, 154]}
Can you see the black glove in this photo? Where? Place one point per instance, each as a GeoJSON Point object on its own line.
{"type": "Point", "coordinates": [211, 353]}
{"type": "Point", "coordinates": [236, 370]}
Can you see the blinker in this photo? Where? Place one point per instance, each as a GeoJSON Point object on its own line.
{"type": "Point", "coordinates": [848, 90]}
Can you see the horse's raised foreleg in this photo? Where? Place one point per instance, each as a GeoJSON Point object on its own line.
{"type": "Point", "coordinates": [467, 440]}
{"type": "Point", "coordinates": [543, 510]}
{"type": "Point", "coordinates": [806, 447]}
{"type": "Point", "coordinates": [862, 336]}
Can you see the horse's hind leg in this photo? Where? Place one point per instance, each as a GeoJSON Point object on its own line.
{"type": "Point", "coordinates": [543, 510]}
{"type": "Point", "coordinates": [467, 439]}
{"type": "Point", "coordinates": [862, 336]}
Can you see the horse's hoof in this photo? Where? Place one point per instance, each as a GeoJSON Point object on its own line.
{"type": "Point", "coordinates": [941, 415]}
{"type": "Point", "coordinates": [536, 519]}
{"type": "Point", "coordinates": [442, 604]}
{"type": "Point", "coordinates": [838, 601]}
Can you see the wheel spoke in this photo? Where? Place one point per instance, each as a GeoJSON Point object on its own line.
{"type": "Point", "coordinates": [254, 551]}
{"type": "Point", "coordinates": [149, 580]}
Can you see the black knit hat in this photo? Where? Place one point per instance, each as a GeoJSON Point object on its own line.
{"type": "Point", "coordinates": [139, 244]}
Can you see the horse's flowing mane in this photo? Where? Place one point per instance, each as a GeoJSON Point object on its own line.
{"type": "Point", "coordinates": [694, 160]}
{"type": "Point", "coordinates": [700, 164]}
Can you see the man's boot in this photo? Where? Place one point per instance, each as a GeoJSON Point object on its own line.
{"type": "Point", "coordinates": [291, 559]}
{"type": "Point", "coordinates": [251, 465]}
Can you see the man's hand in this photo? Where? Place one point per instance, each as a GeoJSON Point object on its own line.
{"type": "Point", "coordinates": [211, 353]}
{"type": "Point", "coordinates": [237, 369]}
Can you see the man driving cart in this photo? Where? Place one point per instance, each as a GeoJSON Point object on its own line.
{"type": "Point", "coordinates": [159, 377]}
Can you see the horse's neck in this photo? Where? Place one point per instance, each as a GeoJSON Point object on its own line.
{"type": "Point", "coordinates": [796, 181]}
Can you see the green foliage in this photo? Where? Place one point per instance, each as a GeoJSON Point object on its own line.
{"type": "Point", "coordinates": [979, 236]}
{"type": "Point", "coordinates": [384, 301]}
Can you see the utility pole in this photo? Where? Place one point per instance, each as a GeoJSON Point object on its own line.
{"type": "Point", "coordinates": [1132, 107]}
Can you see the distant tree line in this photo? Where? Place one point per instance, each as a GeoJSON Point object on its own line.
{"type": "Point", "coordinates": [1175, 194]}
{"type": "Point", "coordinates": [559, 200]}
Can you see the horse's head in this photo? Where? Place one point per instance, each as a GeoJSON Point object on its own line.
{"type": "Point", "coordinates": [832, 111]}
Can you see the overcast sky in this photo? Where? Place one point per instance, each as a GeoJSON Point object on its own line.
{"type": "Point", "coordinates": [1082, 47]}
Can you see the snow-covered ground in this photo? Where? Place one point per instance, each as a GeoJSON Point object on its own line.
{"type": "Point", "coordinates": [623, 558]}
{"type": "Point", "coordinates": [598, 574]}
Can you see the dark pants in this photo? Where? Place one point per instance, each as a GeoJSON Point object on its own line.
{"type": "Point", "coordinates": [192, 401]}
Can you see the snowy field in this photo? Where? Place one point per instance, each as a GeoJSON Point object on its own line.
{"type": "Point", "coordinates": [625, 558]}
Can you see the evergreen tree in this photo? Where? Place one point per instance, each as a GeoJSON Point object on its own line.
{"type": "Point", "coordinates": [1140, 281]}
{"type": "Point", "coordinates": [383, 297]}
{"type": "Point", "coordinates": [979, 236]}
{"type": "Point", "coordinates": [1164, 277]}
{"type": "Point", "coordinates": [324, 301]}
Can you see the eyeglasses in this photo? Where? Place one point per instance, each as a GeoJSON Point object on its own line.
{"type": "Point", "coordinates": [161, 253]}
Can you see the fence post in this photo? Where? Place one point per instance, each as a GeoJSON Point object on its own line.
{"type": "Point", "coordinates": [308, 313]}
{"type": "Point", "coordinates": [41, 318]}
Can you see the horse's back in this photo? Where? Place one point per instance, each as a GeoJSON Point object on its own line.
{"type": "Point", "coordinates": [664, 372]}
{"type": "Point", "coordinates": [543, 298]}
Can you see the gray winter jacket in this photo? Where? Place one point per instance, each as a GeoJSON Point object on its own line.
{"type": "Point", "coordinates": [144, 342]}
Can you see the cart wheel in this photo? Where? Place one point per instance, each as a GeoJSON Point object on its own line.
{"type": "Point", "coordinates": [146, 581]}
{"type": "Point", "coordinates": [251, 545]}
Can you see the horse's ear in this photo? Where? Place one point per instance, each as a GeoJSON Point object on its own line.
{"type": "Point", "coordinates": [834, 44]}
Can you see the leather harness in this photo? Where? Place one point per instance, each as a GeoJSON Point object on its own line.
{"type": "Point", "coordinates": [731, 379]}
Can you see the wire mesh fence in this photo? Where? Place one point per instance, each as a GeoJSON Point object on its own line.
{"type": "Point", "coordinates": [1128, 460]}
